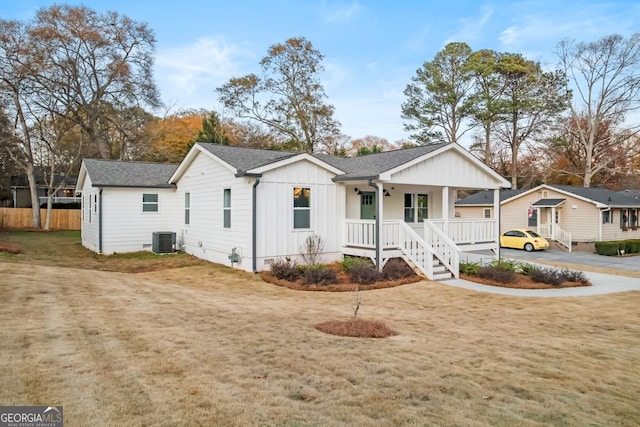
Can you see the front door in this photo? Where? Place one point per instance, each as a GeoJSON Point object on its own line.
{"type": "Point", "coordinates": [368, 205]}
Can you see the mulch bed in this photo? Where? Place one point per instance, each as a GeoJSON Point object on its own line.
{"type": "Point", "coordinates": [523, 282]}
{"type": "Point", "coordinates": [356, 328]}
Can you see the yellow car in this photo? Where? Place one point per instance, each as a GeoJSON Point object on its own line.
{"type": "Point", "coordinates": [523, 239]}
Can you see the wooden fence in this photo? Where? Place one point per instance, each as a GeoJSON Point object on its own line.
{"type": "Point", "coordinates": [61, 219]}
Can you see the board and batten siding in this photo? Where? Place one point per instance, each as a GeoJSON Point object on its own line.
{"type": "Point", "coordinates": [205, 236]}
{"type": "Point", "coordinates": [449, 169]}
{"type": "Point", "coordinates": [125, 227]}
{"type": "Point", "coordinates": [276, 237]}
{"type": "Point", "coordinates": [90, 216]}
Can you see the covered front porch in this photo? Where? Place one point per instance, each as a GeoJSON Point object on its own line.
{"type": "Point", "coordinates": [417, 223]}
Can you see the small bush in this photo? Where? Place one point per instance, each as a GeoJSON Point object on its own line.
{"type": "Point", "coordinates": [469, 268]}
{"type": "Point", "coordinates": [505, 264]}
{"type": "Point", "coordinates": [397, 268]}
{"type": "Point", "coordinates": [574, 276]}
{"type": "Point", "coordinates": [348, 262]}
{"type": "Point", "coordinates": [549, 276]}
{"type": "Point", "coordinates": [320, 276]}
{"type": "Point", "coordinates": [365, 274]}
{"type": "Point", "coordinates": [607, 248]}
{"type": "Point", "coordinates": [497, 274]}
{"type": "Point", "coordinates": [526, 268]}
{"type": "Point", "coordinates": [632, 246]}
{"type": "Point", "coordinates": [285, 269]}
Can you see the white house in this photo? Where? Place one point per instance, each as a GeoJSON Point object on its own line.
{"type": "Point", "coordinates": [262, 205]}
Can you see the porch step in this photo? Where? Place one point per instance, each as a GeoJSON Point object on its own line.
{"type": "Point", "coordinates": [440, 272]}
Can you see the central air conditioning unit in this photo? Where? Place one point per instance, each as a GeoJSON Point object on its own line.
{"type": "Point", "coordinates": [164, 242]}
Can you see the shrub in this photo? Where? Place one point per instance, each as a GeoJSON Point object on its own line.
{"type": "Point", "coordinates": [348, 262]}
{"type": "Point", "coordinates": [574, 276]}
{"type": "Point", "coordinates": [505, 264]}
{"type": "Point", "coordinates": [312, 249]}
{"type": "Point", "coordinates": [497, 274]}
{"type": "Point", "coordinates": [607, 248]}
{"type": "Point", "coordinates": [397, 268]}
{"type": "Point", "coordinates": [469, 268]}
{"type": "Point", "coordinates": [285, 269]}
{"type": "Point", "coordinates": [550, 276]}
{"type": "Point", "coordinates": [320, 276]}
{"type": "Point", "coordinates": [632, 246]}
{"type": "Point", "coordinates": [365, 274]}
{"type": "Point", "coordinates": [526, 268]}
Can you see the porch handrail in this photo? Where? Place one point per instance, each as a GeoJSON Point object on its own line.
{"type": "Point", "coordinates": [561, 236]}
{"type": "Point", "coordinates": [414, 247]}
{"type": "Point", "coordinates": [60, 199]}
{"type": "Point", "coordinates": [443, 247]}
{"type": "Point", "coordinates": [468, 230]}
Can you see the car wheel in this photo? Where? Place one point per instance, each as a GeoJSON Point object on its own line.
{"type": "Point", "coordinates": [528, 247]}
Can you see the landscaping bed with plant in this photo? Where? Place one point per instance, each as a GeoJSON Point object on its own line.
{"type": "Point", "coordinates": [522, 275]}
{"type": "Point", "coordinates": [342, 276]}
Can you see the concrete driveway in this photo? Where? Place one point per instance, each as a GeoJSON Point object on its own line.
{"type": "Point", "coordinates": [625, 268]}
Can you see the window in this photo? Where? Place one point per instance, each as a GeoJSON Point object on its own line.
{"type": "Point", "coordinates": [416, 206]}
{"type": "Point", "coordinates": [226, 208]}
{"type": "Point", "coordinates": [607, 217]}
{"type": "Point", "coordinates": [95, 203]}
{"type": "Point", "coordinates": [301, 207]}
{"type": "Point", "coordinates": [624, 218]}
{"type": "Point", "coordinates": [633, 217]}
{"type": "Point", "coordinates": [149, 203]}
{"type": "Point", "coordinates": [187, 207]}
{"type": "Point", "coordinates": [487, 213]}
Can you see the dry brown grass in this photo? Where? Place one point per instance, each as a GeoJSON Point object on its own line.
{"type": "Point", "coordinates": [207, 345]}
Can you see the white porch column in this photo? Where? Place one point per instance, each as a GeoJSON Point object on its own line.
{"type": "Point", "coordinates": [496, 215]}
{"type": "Point", "coordinates": [380, 225]}
{"type": "Point", "coordinates": [445, 210]}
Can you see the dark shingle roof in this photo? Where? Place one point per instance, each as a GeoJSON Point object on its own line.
{"type": "Point", "coordinates": [546, 203]}
{"type": "Point", "coordinates": [244, 159]}
{"type": "Point", "coordinates": [372, 165]}
{"type": "Point", "coordinates": [485, 197]}
{"type": "Point", "coordinates": [362, 167]}
{"type": "Point", "coordinates": [114, 173]}
{"type": "Point", "coordinates": [601, 195]}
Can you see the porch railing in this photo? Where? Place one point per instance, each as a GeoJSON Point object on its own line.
{"type": "Point", "coordinates": [444, 248]}
{"type": "Point", "coordinates": [468, 230]}
{"type": "Point", "coordinates": [554, 232]}
{"type": "Point", "coordinates": [60, 200]}
{"type": "Point", "coordinates": [414, 248]}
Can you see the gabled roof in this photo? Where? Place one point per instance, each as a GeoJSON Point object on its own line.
{"type": "Point", "coordinates": [243, 159]}
{"type": "Point", "coordinates": [485, 198]}
{"type": "Point", "coordinates": [19, 181]}
{"type": "Point", "coordinates": [372, 165]}
{"type": "Point", "coordinates": [115, 173]}
{"type": "Point", "coordinates": [601, 197]}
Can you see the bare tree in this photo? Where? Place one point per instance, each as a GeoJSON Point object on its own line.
{"type": "Point", "coordinates": [605, 80]}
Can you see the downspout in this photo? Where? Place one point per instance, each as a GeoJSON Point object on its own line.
{"type": "Point", "coordinates": [254, 224]}
{"type": "Point", "coordinates": [100, 221]}
{"type": "Point", "coordinates": [378, 246]}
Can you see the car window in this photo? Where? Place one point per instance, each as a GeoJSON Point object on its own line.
{"type": "Point", "coordinates": [514, 233]}
{"type": "Point", "coordinates": [533, 233]}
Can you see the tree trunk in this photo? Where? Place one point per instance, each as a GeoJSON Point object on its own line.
{"type": "Point", "coordinates": [487, 145]}
{"type": "Point", "coordinates": [514, 153]}
{"type": "Point", "coordinates": [35, 201]}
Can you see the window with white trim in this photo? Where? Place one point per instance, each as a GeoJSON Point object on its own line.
{"type": "Point", "coordinates": [416, 207]}
{"type": "Point", "coordinates": [487, 212]}
{"type": "Point", "coordinates": [607, 218]}
{"type": "Point", "coordinates": [226, 208]}
{"type": "Point", "coordinates": [150, 202]}
{"type": "Point", "coordinates": [301, 207]}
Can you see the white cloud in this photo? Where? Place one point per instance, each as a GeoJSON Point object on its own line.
{"type": "Point", "coordinates": [341, 12]}
{"type": "Point", "coordinates": [471, 28]}
{"type": "Point", "coordinates": [188, 75]}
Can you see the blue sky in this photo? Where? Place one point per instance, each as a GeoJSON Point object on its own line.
{"type": "Point", "coordinates": [371, 48]}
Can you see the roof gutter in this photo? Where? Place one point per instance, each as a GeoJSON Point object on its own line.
{"type": "Point", "coordinates": [340, 178]}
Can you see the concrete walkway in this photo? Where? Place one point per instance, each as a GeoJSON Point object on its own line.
{"type": "Point", "coordinates": [601, 283]}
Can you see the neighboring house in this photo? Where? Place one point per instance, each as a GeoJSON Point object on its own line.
{"type": "Point", "coordinates": [262, 205]}
{"type": "Point", "coordinates": [123, 203]}
{"type": "Point", "coordinates": [571, 215]}
{"type": "Point", "coordinates": [22, 195]}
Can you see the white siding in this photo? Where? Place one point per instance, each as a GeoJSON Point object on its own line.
{"type": "Point", "coordinates": [89, 227]}
{"type": "Point", "coordinates": [449, 169]}
{"type": "Point", "coordinates": [204, 236]}
{"type": "Point", "coordinates": [276, 236]}
{"type": "Point", "coordinates": [125, 227]}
